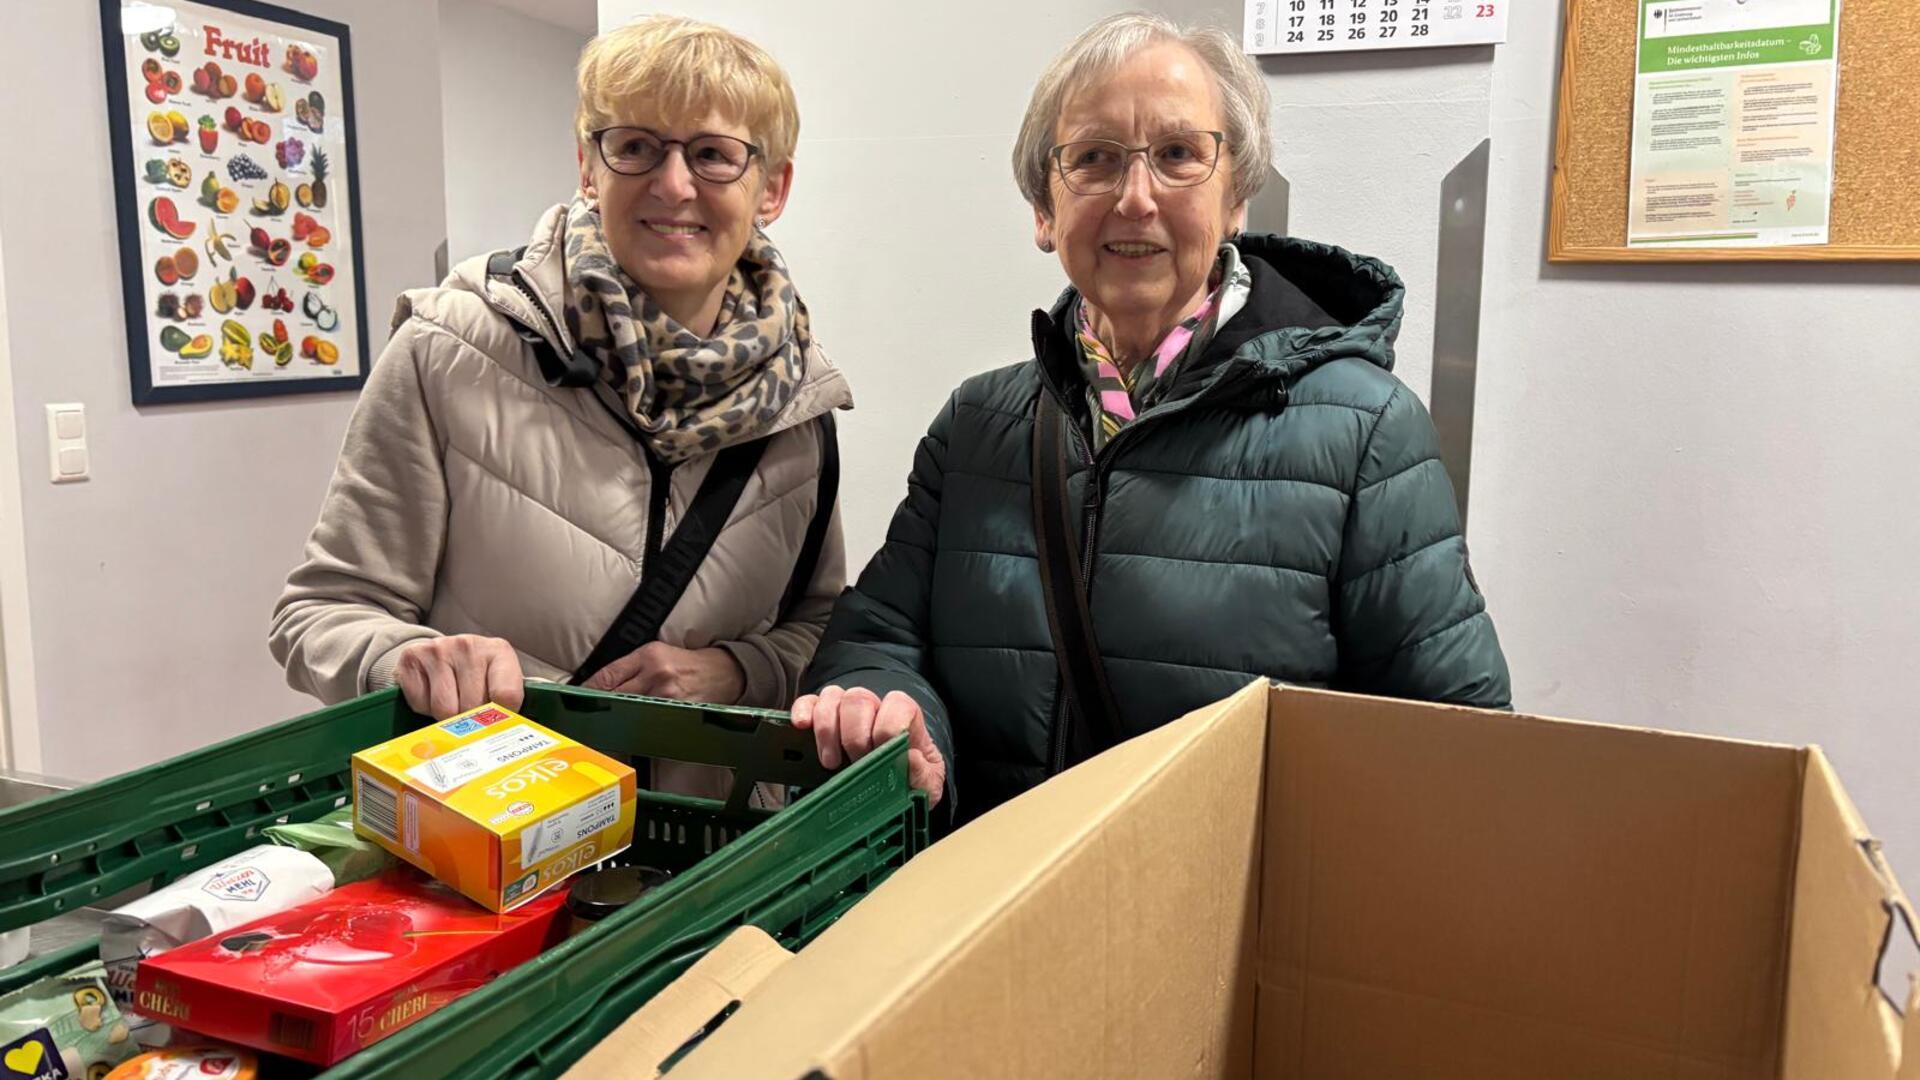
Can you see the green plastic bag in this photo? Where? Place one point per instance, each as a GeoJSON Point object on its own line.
{"type": "Point", "coordinates": [331, 840]}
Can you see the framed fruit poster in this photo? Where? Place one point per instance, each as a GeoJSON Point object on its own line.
{"type": "Point", "coordinates": [238, 192]}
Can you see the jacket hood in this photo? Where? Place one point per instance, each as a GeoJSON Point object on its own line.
{"type": "Point", "coordinates": [1310, 304]}
{"type": "Point", "coordinates": [535, 294]}
{"type": "Point", "coordinates": [1360, 295]}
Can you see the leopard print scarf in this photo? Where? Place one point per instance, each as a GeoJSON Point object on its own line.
{"type": "Point", "coordinates": [689, 395]}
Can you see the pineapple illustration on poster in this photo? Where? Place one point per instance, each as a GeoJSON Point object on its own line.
{"type": "Point", "coordinates": [238, 207]}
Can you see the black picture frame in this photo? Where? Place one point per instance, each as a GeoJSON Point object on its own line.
{"type": "Point", "coordinates": [129, 196]}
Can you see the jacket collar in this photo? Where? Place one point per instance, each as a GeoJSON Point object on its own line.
{"type": "Point", "coordinates": [1310, 304]}
{"type": "Point", "coordinates": [533, 296]}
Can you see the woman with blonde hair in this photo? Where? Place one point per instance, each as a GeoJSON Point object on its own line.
{"type": "Point", "coordinates": [607, 456]}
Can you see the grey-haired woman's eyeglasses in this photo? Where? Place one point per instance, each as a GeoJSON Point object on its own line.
{"type": "Point", "coordinates": [1097, 166]}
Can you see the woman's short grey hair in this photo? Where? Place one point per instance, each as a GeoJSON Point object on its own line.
{"type": "Point", "coordinates": [1107, 44]}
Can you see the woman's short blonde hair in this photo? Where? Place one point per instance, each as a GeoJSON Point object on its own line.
{"type": "Point", "coordinates": [1109, 43]}
{"type": "Point", "coordinates": [680, 70]}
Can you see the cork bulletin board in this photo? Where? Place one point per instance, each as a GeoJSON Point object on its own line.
{"type": "Point", "coordinates": [1876, 180]}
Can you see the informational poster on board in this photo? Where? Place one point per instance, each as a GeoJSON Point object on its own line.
{"type": "Point", "coordinates": [1314, 26]}
{"type": "Point", "coordinates": [232, 128]}
{"type": "Point", "coordinates": [1733, 123]}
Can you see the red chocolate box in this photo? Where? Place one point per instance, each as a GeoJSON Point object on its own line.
{"type": "Point", "coordinates": [340, 973]}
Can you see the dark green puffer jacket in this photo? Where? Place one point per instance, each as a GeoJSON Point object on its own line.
{"type": "Point", "coordinates": [1282, 513]}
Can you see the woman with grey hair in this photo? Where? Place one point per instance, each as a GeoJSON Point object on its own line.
{"type": "Point", "coordinates": [1206, 473]}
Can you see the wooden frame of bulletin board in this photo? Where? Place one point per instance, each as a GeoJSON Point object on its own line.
{"type": "Point", "coordinates": [1876, 147]}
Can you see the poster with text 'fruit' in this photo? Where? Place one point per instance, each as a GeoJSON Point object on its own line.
{"type": "Point", "coordinates": [238, 200]}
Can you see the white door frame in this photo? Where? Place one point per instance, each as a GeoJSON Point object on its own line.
{"type": "Point", "coordinates": [19, 709]}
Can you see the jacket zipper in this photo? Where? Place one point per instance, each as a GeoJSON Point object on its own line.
{"type": "Point", "coordinates": [539, 306]}
{"type": "Point", "coordinates": [1099, 464]}
{"type": "Point", "coordinates": [1062, 717]}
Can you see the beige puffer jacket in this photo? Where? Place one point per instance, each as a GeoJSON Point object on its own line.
{"type": "Point", "coordinates": [472, 498]}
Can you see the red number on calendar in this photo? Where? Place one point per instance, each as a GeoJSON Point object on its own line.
{"type": "Point", "coordinates": [1485, 12]}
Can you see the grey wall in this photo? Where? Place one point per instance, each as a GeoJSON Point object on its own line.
{"type": "Point", "coordinates": [1693, 498]}
{"type": "Point", "coordinates": [151, 584]}
{"type": "Point", "coordinates": [17, 712]}
{"type": "Point", "coordinates": [507, 96]}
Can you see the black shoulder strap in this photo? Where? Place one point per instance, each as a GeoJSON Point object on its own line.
{"type": "Point", "coordinates": [670, 568]}
{"type": "Point", "coordinates": [816, 541]}
{"type": "Point", "coordinates": [665, 576]}
{"type": "Point", "coordinates": [1083, 672]}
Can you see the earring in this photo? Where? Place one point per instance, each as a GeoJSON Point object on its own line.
{"type": "Point", "coordinates": [759, 223]}
{"type": "Point", "coordinates": [1047, 245]}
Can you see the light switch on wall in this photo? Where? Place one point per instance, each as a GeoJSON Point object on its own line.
{"type": "Point", "coordinates": [67, 443]}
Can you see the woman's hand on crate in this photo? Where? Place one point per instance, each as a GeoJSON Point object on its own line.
{"type": "Point", "coordinates": [848, 724]}
{"type": "Point", "coordinates": [447, 676]}
{"type": "Point", "coordinates": [658, 669]}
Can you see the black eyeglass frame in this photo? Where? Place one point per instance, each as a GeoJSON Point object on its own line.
{"type": "Point", "coordinates": [667, 145]}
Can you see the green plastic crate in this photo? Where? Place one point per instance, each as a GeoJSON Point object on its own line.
{"type": "Point", "coordinates": [790, 872]}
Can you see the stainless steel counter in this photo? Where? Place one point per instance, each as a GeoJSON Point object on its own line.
{"type": "Point", "coordinates": [20, 788]}
{"type": "Point", "coordinates": [73, 927]}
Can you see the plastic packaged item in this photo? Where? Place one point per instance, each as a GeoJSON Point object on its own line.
{"type": "Point", "coordinates": [190, 1063]}
{"type": "Point", "coordinates": [65, 1026]}
{"type": "Point", "coordinates": [14, 946]}
{"type": "Point", "coordinates": [493, 804]}
{"type": "Point", "coordinates": [597, 894]}
{"type": "Point", "coordinates": [337, 974]}
{"type": "Point", "coordinates": [258, 881]}
{"type": "Point", "coordinates": [332, 840]}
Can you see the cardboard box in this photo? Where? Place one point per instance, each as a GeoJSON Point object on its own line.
{"type": "Point", "coordinates": [493, 804]}
{"type": "Point", "coordinates": [699, 1002]}
{"type": "Point", "coordinates": [326, 979]}
{"type": "Point", "coordinates": [1308, 885]}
